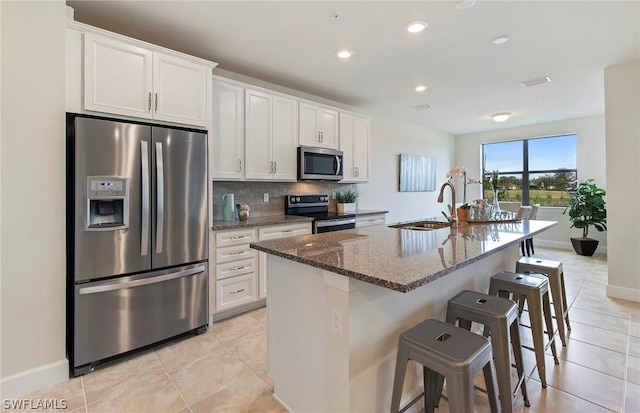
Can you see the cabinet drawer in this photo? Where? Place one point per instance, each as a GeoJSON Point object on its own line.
{"type": "Point", "coordinates": [231, 269]}
{"type": "Point", "coordinates": [371, 220]}
{"type": "Point", "coordinates": [226, 238]}
{"type": "Point", "coordinates": [234, 253]}
{"type": "Point", "coordinates": [235, 291]}
{"type": "Point", "coordinates": [283, 231]}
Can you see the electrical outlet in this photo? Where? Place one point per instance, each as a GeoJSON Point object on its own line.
{"type": "Point", "coordinates": [265, 197]}
{"type": "Point", "coordinates": [336, 320]}
{"type": "Point", "coordinates": [333, 195]}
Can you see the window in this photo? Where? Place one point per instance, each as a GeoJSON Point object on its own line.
{"type": "Point", "coordinates": [531, 171]}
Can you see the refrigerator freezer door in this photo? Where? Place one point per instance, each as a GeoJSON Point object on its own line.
{"type": "Point", "coordinates": [108, 148]}
{"type": "Point", "coordinates": [113, 317]}
{"type": "Point", "coordinates": [179, 220]}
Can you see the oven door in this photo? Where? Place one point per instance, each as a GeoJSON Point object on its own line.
{"type": "Point", "coordinates": [320, 226]}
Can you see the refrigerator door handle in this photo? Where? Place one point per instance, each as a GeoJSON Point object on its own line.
{"type": "Point", "coordinates": [144, 161]}
{"type": "Point", "coordinates": [160, 198]}
{"type": "Point", "coordinates": [145, 281]}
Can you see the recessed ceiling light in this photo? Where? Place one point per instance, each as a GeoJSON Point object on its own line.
{"type": "Point", "coordinates": [344, 53]}
{"type": "Point", "coordinates": [421, 88]}
{"type": "Point", "coordinates": [500, 40]}
{"type": "Point", "coordinates": [501, 117]}
{"type": "Point", "coordinates": [536, 81]}
{"type": "Point", "coordinates": [464, 4]}
{"type": "Point", "coordinates": [416, 26]}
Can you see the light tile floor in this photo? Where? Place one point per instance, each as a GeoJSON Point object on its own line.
{"type": "Point", "coordinates": [223, 370]}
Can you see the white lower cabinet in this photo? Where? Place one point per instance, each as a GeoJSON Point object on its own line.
{"type": "Point", "coordinates": [277, 232]}
{"type": "Point", "coordinates": [236, 272]}
{"type": "Point", "coordinates": [371, 220]}
{"type": "Point", "coordinates": [239, 272]}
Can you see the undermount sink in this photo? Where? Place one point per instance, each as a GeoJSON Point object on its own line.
{"type": "Point", "coordinates": [422, 225]}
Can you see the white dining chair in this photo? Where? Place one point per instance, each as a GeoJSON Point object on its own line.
{"type": "Point", "coordinates": [528, 243]}
{"type": "Point", "coordinates": [509, 206]}
{"type": "Point", "coordinates": [523, 213]}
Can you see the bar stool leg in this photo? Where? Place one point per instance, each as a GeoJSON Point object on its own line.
{"type": "Point", "coordinates": [549, 321]}
{"type": "Point", "coordinates": [398, 380]}
{"type": "Point", "coordinates": [432, 389]}
{"type": "Point", "coordinates": [502, 362]}
{"type": "Point", "coordinates": [460, 391]}
{"type": "Point", "coordinates": [564, 301]}
{"type": "Point", "coordinates": [537, 331]}
{"type": "Point", "coordinates": [491, 382]}
{"type": "Point", "coordinates": [558, 308]}
{"type": "Point", "coordinates": [517, 354]}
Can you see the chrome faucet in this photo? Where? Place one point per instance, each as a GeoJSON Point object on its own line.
{"type": "Point", "coordinates": [452, 208]}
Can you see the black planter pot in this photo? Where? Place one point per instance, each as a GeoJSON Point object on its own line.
{"type": "Point", "coordinates": [584, 246]}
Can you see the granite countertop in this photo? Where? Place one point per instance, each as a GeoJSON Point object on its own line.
{"type": "Point", "coordinates": [219, 225]}
{"type": "Point", "coordinates": [402, 259]}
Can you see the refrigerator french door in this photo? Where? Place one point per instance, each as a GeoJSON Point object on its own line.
{"type": "Point", "coordinates": [137, 237]}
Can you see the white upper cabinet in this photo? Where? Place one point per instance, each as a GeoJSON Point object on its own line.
{"type": "Point", "coordinates": [318, 126]}
{"type": "Point", "coordinates": [117, 77]}
{"type": "Point", "coordinates": [126, 78]}
{"type": "Point", "coordinates": [180, 90]}
{"type": "Point", "coordinates": [270, 136]}
{"type": "Point", "coordinates": [227, 131]}
{"type": "Point", "coordinates": [355, 143]}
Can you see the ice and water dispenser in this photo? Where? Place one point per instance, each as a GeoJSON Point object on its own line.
{"type": "Point", "coordinates": [107, 203]}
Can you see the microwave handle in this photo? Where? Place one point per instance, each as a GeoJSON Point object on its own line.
{"type": "Point", "coordinates": [338, 165]}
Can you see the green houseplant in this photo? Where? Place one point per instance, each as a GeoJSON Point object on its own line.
{"type": "Point", "coordinates": [346, 201]}
{"type": "Point", "coordinates": [587, 207]}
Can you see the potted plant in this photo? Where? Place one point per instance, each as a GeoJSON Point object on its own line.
{"type": "Point", "coordinates": [346, 201]}
{"type": "Point", "coordinates": [587, 207]}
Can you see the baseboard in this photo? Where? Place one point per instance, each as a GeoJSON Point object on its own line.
{"type": "Point", "coordinates": [623, 293]}
{"type": "Point", "coordinates": [602, 249]}
{"type": "Point", "coordinates": [20, 384]}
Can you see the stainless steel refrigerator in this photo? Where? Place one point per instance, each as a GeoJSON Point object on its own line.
{"type": "Point", "coordinates": [137, 237]}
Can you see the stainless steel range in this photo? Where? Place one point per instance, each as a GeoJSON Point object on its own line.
{"type": "Point", "coordinates": [316, 206]}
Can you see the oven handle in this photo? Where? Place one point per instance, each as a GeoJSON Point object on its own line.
{"type": "Point", "coordinates": [334, 222]}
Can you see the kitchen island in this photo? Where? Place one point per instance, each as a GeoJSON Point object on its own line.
{"type": "Point", "coordinates": [337, 302]}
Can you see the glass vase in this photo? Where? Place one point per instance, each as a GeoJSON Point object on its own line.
{"type": "Point", "coordinates": [496, 205]}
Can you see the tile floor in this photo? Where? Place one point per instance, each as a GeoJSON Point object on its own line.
{"type": "Point", "coordinates": [223, 370]}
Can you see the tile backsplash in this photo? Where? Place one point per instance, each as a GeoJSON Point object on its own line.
{"type": "Point", "coordinates": [251, 193]}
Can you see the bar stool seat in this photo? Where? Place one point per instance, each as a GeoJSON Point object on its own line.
{"type": "Point", "coordinates": [449, 351]}
{"type": "Point", "coordinates": [553, 271]}
{"type": "Point", "coordinates": [500, 319]}
{"type": "Point", "coordinates": [535, 290]}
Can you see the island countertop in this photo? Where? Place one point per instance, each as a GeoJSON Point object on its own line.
{"type": "Point", "coordinates": [402, 259]}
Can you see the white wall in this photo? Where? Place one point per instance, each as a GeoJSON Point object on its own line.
{"type": "Point", "coordinates": [32, 272]}
{"type": "Point", "coordinates": [591, 163]}
{"type": "Point", "coordinates": [389, 139]}
{"type": "Point", "coordinates": [622, 110]}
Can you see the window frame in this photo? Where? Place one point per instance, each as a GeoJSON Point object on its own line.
{"type": "Point", "coordinates": [525, 172]}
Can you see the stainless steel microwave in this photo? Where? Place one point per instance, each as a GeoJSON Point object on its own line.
{"type": "Point", "coordinates": [319, 164]}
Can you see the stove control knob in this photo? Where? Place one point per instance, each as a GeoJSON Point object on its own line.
{"type": "Point", "coordinates": [297, 199]}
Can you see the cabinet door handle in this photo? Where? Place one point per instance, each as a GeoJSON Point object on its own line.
{"type": "Point", "coordinates": [149, 105]}
{"type": "Point", "coordinates": [236, 268]}
{"type": "Point", "coordinates": [319, 138]}
{"type": "Point", "coordinates": [357, 171]}
{"type": "Point", "coordinates": [275, 167]}
{"type": "Point", "coordinates": [156, 109]}
{"type": "Point", "coordinates": [237, 237]}
{"type": "Point", "coordinates": [239, 165]}
{"type": "Point", "coordinates": [237, 253]}
{"type": "Point", "coordinates": [237, 291]}
{"type": "Point", "coordinates": [288, 230]}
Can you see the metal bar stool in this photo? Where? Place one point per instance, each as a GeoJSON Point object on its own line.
{"type": "Point", "coordinates": [449, 351]}
{"type": "Point", "coordinates": [553, 271]}
{"type": "Point", "coordinates": [500, 319]}
{"type": "Point", "coordinates": [534, 289]}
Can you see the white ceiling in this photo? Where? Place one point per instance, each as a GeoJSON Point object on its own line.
{"type": "Point", "coordinates": [293, 44]}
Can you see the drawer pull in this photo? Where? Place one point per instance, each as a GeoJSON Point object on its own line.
{"type": "Point", "coordinates": [236, 291]}
{"type": "Point", "coordinates": [238, 237]}
{"type": "Point", "coordinates": [237, 268]}
{"type": "Point", "coordinates": [237, 253]}
{"type": "Point", "coordinates": [288, 230]}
